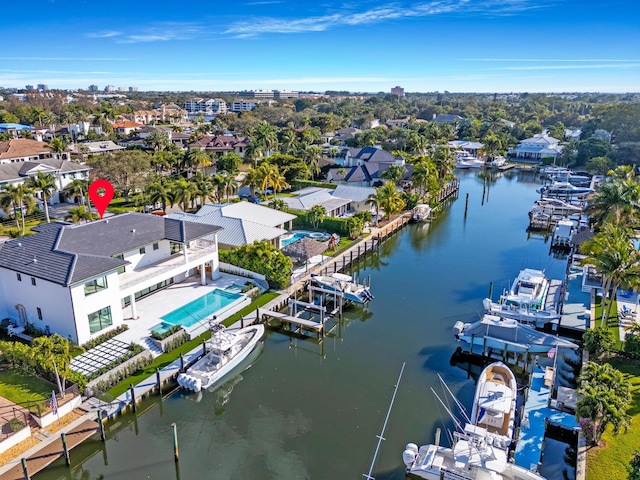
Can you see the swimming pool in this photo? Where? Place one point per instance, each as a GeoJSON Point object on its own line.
{"type": "Point", "coordinates": [295, 236]}
{"type": "Point", "coordinates": [197, 310]}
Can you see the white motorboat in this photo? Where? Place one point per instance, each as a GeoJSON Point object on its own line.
{"type": "Point", "coordinates": [474, 456]}
{"type": "Point", "coordinates": [555, 206]}
{"type": "Point", "coordinates": [498, 161]}
{"type": "Point", "coordinates": [533, 298]}
{"type": "Point", "coordinates": [494, 404]}
{"type": "Point", "coordinates": [225, 350]}
{"type": "Point", "coordinates": [563, 234]}
{"type": "Point", "coordinates": [494, 332]}
{"type": "Point", "coordinates": [463, 164]}
{"type": "Point", "coordinates": [420, 212]}
{"type": "Point", "coordinates": [564, 189]}
{"type": "Point", "coordinates": [344, 284]}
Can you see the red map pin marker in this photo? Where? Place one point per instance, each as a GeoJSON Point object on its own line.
{"type": "Point", "coordinates": [101, 193]}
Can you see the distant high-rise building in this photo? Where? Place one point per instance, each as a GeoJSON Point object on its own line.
{"type": "Point", "coordinates": [93, 88]}
{"type": "Point", "coordinates": [43, 87]}
{"type": "Point", "coordinates": [29, 87]}
{"type": "Point", "coordinates": [122, 89]}
{"type": "Point", "coordinates": [109, 88]}
{"type": "Point", "coordinates": [399, 91]}
{"type": "Point", "coordinates": [133, 89]}
{"type": "Point", "coordinates": [257, 93]}
{"type": "Point", "coordinates": [286, 94]}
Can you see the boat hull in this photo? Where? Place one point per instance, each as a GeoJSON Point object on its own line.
{"type": "Point", "coordinates": [198, 377]}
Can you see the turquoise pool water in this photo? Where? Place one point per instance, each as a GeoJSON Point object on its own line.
{"type": "Point", "coordinates": [197, 310]}
{"type": "Point", "coordinates": [298, 235]}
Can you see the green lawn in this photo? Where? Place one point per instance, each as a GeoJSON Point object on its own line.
{"type": "Point", "coordinates": [609, 462]}
{"type": "Point", "coordinates": [166, 358]}
{"type": "Point", "coordinates": [23, 389]}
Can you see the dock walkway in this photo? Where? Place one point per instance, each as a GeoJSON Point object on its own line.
{"type": "Point", "coordinates": [532, 426]}
{"type": "Point", "coordinates": [44, 455]}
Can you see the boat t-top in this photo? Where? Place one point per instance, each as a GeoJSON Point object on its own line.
{"type": "Point", "coordinates": [345, 285]}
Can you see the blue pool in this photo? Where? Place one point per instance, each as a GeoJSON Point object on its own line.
{"type": "Point", "coordinates": [289, 239]}
{"type": "Point", "coordinates": [197, 310]}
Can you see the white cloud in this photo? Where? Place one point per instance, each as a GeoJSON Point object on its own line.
{"type": "Point", "coordinates": [394, 11]}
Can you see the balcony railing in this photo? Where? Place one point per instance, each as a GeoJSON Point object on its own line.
{"type": "Point", "coordinates": [199, 249]}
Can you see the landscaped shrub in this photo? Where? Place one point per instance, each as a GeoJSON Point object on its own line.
{"type": "Point", "coordinates": [330, 224]}
{"type": "Point", "coordinates": [105, 336]}
{"type": "Point", "coordinates": [33, 331]}
{"type": "Point", "coordinates": [17, 355]}
{"type": "Point", "coordinates": [134, 349]}
{"type": "Point", "coordinates": [176, 342]}
{"type": "Point", "coordinates": [264, 258]}
{"type": "Point", "coordinates": [632, 344]}
{"type": "Point", "coordinates": [123, 372]}
{"type": "Point", "coordinates": [16, 424]}
{"type": "Point", "coordinates": [166, 333]}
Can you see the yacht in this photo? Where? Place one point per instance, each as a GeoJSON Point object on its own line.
{"type": "Point", "coordinates": [225, 350]}
{"type": "Point", "coordinates": [494, 332]}
{"type": "Point", "coordinates": [564, 189]}
{"type": "Point", "coordinates": [420, 212]}
{"type": "Point", "coordinates": [532, 298]}
{"type": "Point", "coordinates": [555, 206]}
{"type": "Point", "coordinates": [344, 284]}
{"type": "Point", "coordinates": [498, 161]}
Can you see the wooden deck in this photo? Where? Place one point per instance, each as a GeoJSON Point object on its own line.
{"type": "Point", "coordinates": [51, 452]}
{"type": "Point", "coordinates": [300, 323]}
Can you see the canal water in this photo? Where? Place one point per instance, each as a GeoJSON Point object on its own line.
{"type": "Point", "coordinates": [312, 411]}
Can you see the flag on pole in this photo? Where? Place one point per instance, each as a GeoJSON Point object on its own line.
{"type": "Point", "coordinates": [551, 353]}
{"type": "Point", "coordinates": [54, 403]}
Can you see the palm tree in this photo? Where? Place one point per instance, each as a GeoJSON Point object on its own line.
{"type": "Point", "coordinates": [289, 139]}
{"type": "Point", "coordinates": [394, 173]}
{"type": "Point", "coordinates": [53, 354]}
{"type": "Point", "coordinates": [229, 185]}
{"type": "Point", "coordinates": [78, 214]}
{"type": "Point", "coordinates": [77, 189]}
{"type": "Point", "coordinates": [9, 198]}
{"type": "Point", "coordinates": [207, 187]}
{"type": "Point", "coordinates": [251, 180]}
{"type": "Point", "coordinates": [198, 159]}
{"type": "Point", "coordinates": [390, 198]}
{"type": "Point", "coordinates": [158, 140]}
{"type": "Point", "coordinates": [604, 395]}
{"type": "Point", "coordinates": [185, 192]}
{"type": "Point", "coordinates": [160, 190]}
{"type": "Point", "coordinates": [266, 135]}
{"type": "Point", "coordinates": [58, 145]}
{"type": "Point", "coordinates": [618, 201]}
{"type": "Point", "coordinates": [375, 201]}
{"type": "Point", "coordinates": [311, 155]}
{"type": "Point", "coordinates": [316, 215]}
{"type": "Point", "coordinates": [46, 184]}
{"type": "Point", "coordinates": [614, 255]}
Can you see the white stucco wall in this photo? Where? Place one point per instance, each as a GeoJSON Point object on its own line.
{"type": "Point", "coordinates": [54, 300]}
{"type": "Point", "coordinates": [85, 305]}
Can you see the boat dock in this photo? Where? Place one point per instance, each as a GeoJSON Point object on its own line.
{"type": "Point", "coordinates": [506, 166]}
{"type": "Point", "coordinates": [51, 452]}
{"type": "Point", "coordinates": [295, 324]}
{"type": "Point", "coordinates": [534, 417]}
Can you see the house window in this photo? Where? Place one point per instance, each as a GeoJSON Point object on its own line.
{"type": "Point", "coordinates": [19, 277]}
{"type": "Point", "coordinates": [143, 250]}
{"type": "Point", "coordinates": [156, 246]}
{"type": "Point", "coordinates": [175, 247]}
{"type": "Point", "coordinates": [33, 281]}
{"type": "Point", "coordinates": [94, 286]}
{"type": "Point", "coordinates": [100, 320]}
{"type": "Point", "coordinates": [121, 269]}
{"type": "Point", "coordinates": [39, 313]}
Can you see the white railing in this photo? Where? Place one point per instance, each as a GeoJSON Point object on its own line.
{"type": "Point", "coordinates": [260, 279]}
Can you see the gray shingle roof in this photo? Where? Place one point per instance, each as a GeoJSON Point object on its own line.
{"type": "Point", "coordinates": [68, 254]}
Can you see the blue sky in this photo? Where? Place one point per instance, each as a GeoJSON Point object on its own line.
{"type": "Point", "coordinates": [360, 46]}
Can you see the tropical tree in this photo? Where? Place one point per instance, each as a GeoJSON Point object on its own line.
{"type": "Point", "coordinates": [375, 201]}
{"type": "Point", "coordinates": [58, 145]}
{"type": "Point", "coordinates": [78, 190]}
{"type": "Point", "coordinates": [197, 159]}
{"type": "Point", "coordinates": [395, 173]}
{"type": "Point", "coordinates": [445, 162]}
{"type": "Point", "coordinates": [78, 214]}
{"type": "Point", "coordinates": [615, 257]}
{"type": "Point", "coordinates": [316, 215]}
{"type": "Point", "coordinates": [10, 200]}
{"type": "Point", "coordinates": [355, 226]}
{"type": "Point", "coordinates": [390, 199]}
{"type": "Point", "coordinates": [634, 466]}
{"type": "Point", "coordinates": [53, 355]}
{"type": "Point", "coordinates": [184, 192]}
{"type": "Point", "coordinates": [270, 177]}
{"type": "Point", "coordinates": [266, 136]}
{"type": "Point", "coordinates": [229, 162]}
{"type": "Point", "coordinates": [251, 180]}
{"type": "Point", "coordinates": [598, 341]}
{"type": "Point", "coordinates": [160, 190]}
{"type": "Point", "coordinates": [229, 185]}
{"type": "Point", "coordinates": [604, 395]}
{"type": "Point", "coordinates": [311, 155]}
{"type": "Point", "coordinates": [158, 140]}
{"type": "Point", "coordinates": [618, 201]}
{"type": "Point", "coordinates": [45, 184]}
{"type": "Point", "coordinates": [264, 258]}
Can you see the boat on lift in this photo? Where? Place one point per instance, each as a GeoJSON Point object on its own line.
{"type": "Point", "coordinates": [420, 212]}
{"type": "Point", "coordinates": [344, 284]}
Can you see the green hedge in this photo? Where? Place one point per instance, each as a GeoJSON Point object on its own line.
{"type": "Point", "coordinates": [330, 224]}
{"type": "Point", "coordinates": [300, 184]}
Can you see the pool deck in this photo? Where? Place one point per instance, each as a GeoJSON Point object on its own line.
{"type": "Point", "coordinates": [152, 308]}
{"type": "Point", "coordinates": [536, 411]}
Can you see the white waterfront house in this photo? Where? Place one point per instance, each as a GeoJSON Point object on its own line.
{"type": "Point", "coordinates": [534, 149]}
{"type": "Point", "coordinates": [242, 223]}
{"type": "Point", "coordinates": [82, 280]}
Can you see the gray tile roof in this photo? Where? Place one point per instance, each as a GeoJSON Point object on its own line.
{"type": "Point", "coordinates": [20, 170]}
{"type": "Point", "coordinates": [68, 254]}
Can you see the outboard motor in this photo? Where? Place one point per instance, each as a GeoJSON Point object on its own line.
{"type": "Point", "coordinates": [409, 455]}
{"type": "Point", "coordinates": [458, 328]}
